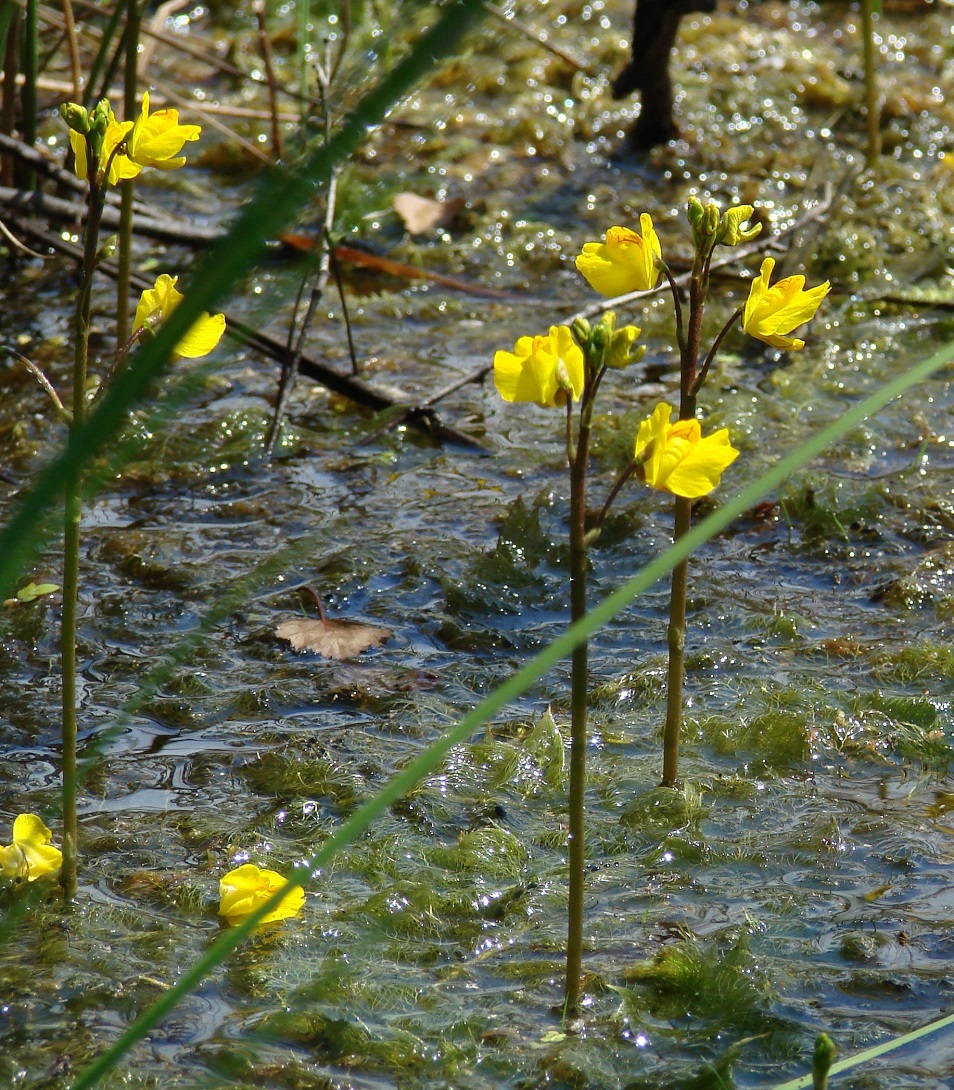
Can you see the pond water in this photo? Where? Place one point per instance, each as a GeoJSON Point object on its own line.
{"type": "Point", "coordinates": [802, 882]}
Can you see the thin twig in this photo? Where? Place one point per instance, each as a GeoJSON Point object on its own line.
{"type": "Point", "coordinates": [266, 43]}
{"type": "Point", "coordinates": [61, 410]}
{"type": "Point", "coordinates": [345, 314]}
{"type": "Point", "coordinates": [535, 35]}
{"type": "Point", "coordinates": [16, 243]}
{"type": "Point", "coordinates": [76, 71]}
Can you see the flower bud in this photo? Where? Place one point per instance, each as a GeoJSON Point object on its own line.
{"type": "Point", "coordinates": [601, 337]}
{"type": "Point", "coordinates": [76, 116]}
{"type": "Point", "coordinates": [695, 211]}
{"type": "Point", "coordinates": [108, 249]}
{"type": "Point", "coordinates": [581, 331]}
{"type": "Point", "coordinates": [705, 224]}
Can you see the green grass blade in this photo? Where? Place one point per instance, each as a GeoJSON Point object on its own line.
{"type": "Point", "coordinates": [428, 761]}
{"type": "Point", "coordinates": [281, 196]}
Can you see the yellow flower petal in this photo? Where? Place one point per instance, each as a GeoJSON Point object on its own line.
{"type": "Point", "coordinates": [625, 261]}
{"type": "Point", "coordinates": [544, 370]}
{"type": "Point", "coordinates": [120, 166]}
{"type": "Point", "coordinates": [156, 139]}
{"type": "Point", "coordinates": [248, 887]}
{"type": "Point", "coordinates": [773, 310]}
{"type": "Point", "coordinates": [159, 301]}
{"type": "Point", "coordinates": [677, 458]}
{"type": "Point", "coordinates": [31, 855]}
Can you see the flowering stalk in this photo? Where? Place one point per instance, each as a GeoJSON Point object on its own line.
{"type": "Point", "coordinates": [72, 515]}
{"type": "Point", "coordinates": [567, 366]}
{"type": "Point", "coordinates": [563, 367]}
{"type": "Point", "coordinates": [675, 457]}
{"type": "Point", "coordinates": [704, 231]}
{"type": "Point", "coordinates": [106, 153]}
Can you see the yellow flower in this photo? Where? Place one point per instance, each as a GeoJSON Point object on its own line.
{"type": "Point", "coordinates": [156, 139]}
{"type": "Point", "coordinates": [625, 262]}
{"type": "Point", "coordinates": [731, 232]}
{"type": "Point", "coordinates": [159, 301]}
{"type": "Point", "coordinates": [31, 855]}
{"type": "Point", "coordinates": [545, 370]}
{"type": "Point", "coordinates": [772, 311]}
{"type": "Point", "coordinates": [247, 888]}
{"type": "Point", "coordinates": [676, 458]}
{"type": "Point", "coordinates": [121, 166]}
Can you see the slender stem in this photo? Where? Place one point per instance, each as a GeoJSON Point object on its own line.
{"type": "Point", "coordinates": [682, 511]}
{"type": "Point", "coordinates": [31, 48]}
{"type": "Point", "coordinates": [570, 455]}
{"type": "Point", "coordinates": [615, 490]}
{"type": "Point", "coordinates": [76, 71]}
{"type": "Point", "coordinates": [578, 712]}
{"type": "Point", "coordinates": [689, 385]}
{"type": "Point", "coordinates": [270, 82]}
{"type": "Point", "coordinates": [704, 369]}
{"type": "Point", "coordinates": [677, 308]}
{"type": "Point", "coordinates": [72, 515]}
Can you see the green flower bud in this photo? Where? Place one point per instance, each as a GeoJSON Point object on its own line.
{"type": "Point", "coordinates": [108, 249]}
{"type": "Point", "coordinates": [822, 1060]}
{"type": "Point", "coordinates": [76, 116]}
{"type": "Point", "coordinates": [695, 211]}
{"type": "Point", "coordinates": [710, 220]}
{"type": "Point", "coordinates": [600, 338]}
{"type": "Point", "coordinates": [581, 331]}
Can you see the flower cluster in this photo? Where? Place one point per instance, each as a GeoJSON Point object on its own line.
{"type": "Point", "coordinates": [32, 854]}
{"type": "Point", "coordinates": [120, 149]}
{"type": "Point", "coordinates": [248, 887]}
{"type": "Point", "coordinates": [551, 370]}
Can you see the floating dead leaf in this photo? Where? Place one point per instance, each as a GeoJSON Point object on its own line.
{"type": "Point", "coordinates": [423, 214]}
{"type": "Point", "coordinates": [333, 639]}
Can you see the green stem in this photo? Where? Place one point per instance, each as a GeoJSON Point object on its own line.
{"type": "Point", "coordinates": [689, 383]}
{"type": "Point", "coordinates": [579, 698]}
{"type": "Point", "coordinates": [72, 515]}
{"type": "Point", "coordinates": [682, 514]}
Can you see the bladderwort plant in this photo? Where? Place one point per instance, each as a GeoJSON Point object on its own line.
{"type": "Point", "coordinates": [564, 369]}
{"type": "Point", "coordinates": [106, 151]}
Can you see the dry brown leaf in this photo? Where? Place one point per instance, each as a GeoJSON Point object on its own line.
{"type": "Point", "coordinates": [333, 639]}
{"type": "Point", "coordinates": [422, 214]}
